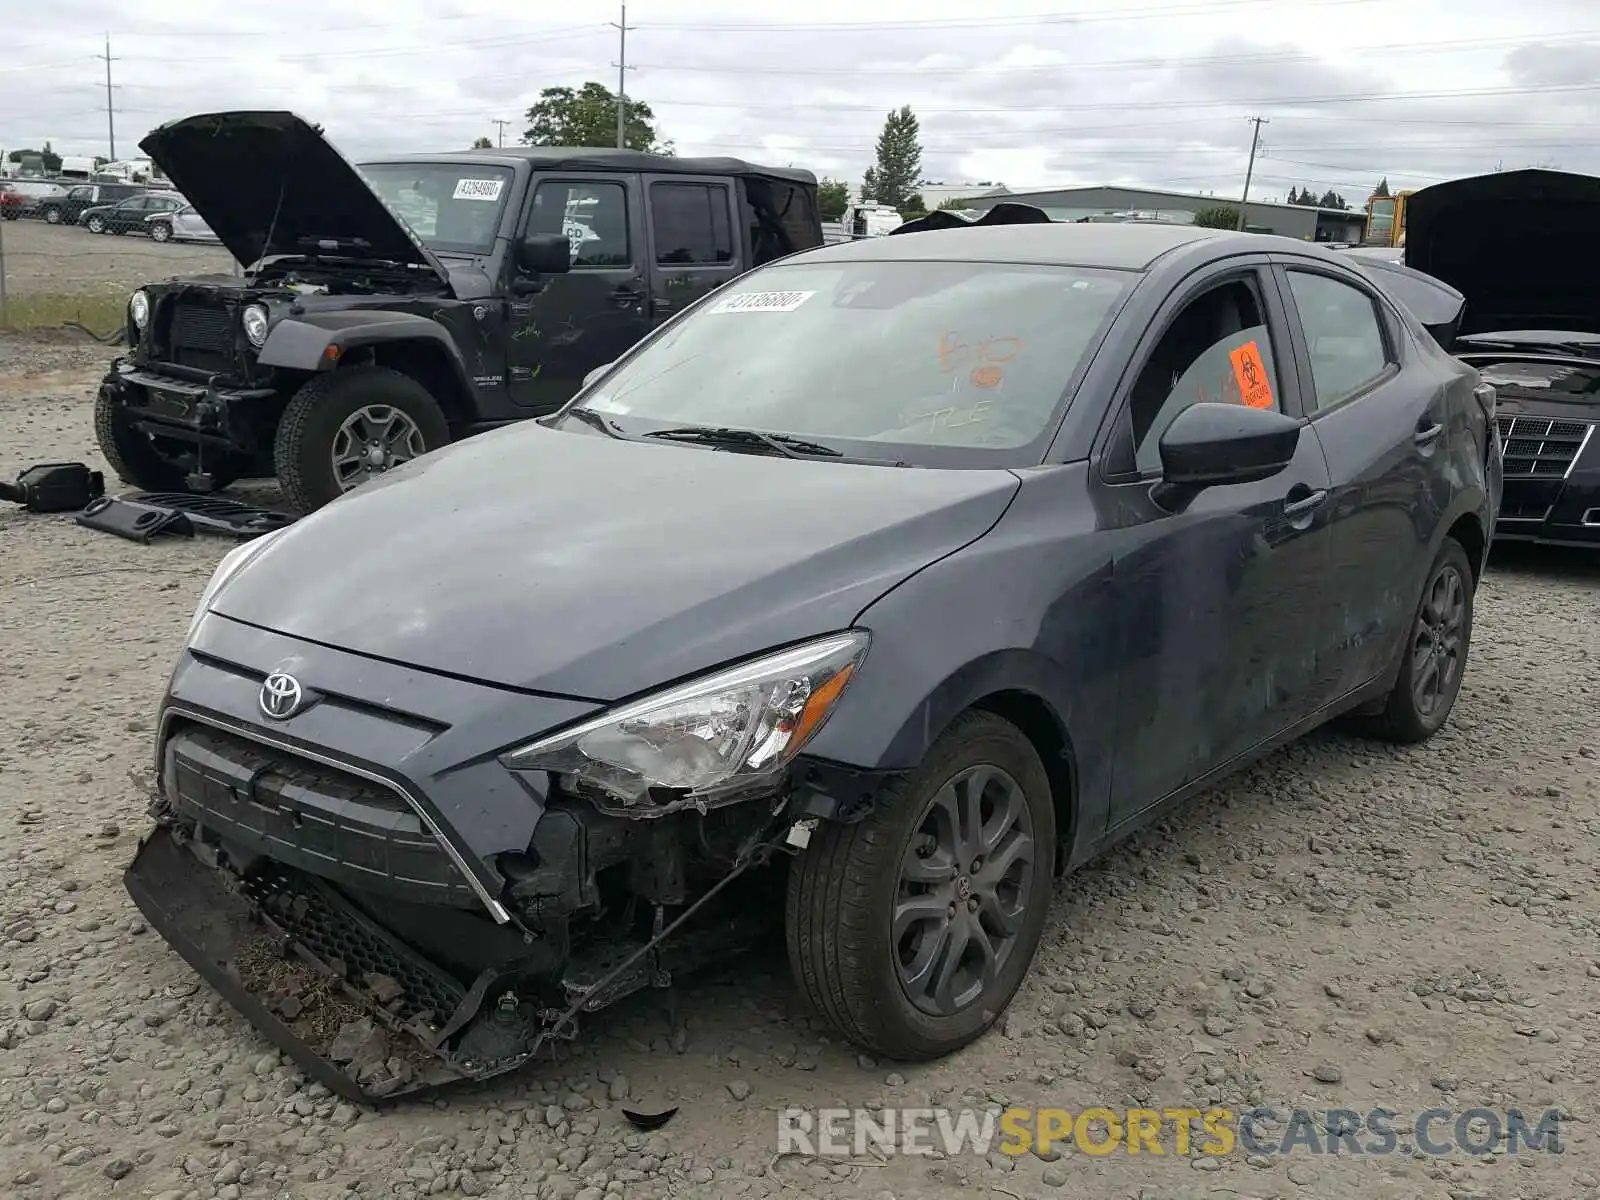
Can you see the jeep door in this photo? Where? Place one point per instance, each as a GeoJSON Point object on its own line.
{"type": "Point", "coordinates": [695, 242]}
{"type": "Point", "coordinates": [594, 313]}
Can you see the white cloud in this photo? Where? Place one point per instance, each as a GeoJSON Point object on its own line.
{"type": "Point", "coordinates": [1142, 91]}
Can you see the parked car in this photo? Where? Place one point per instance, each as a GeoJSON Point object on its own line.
{"type": "Point", "coordinates": [129, 216]}
{"type": "Point", "coordinates": [181, 225]}
{"type": "Point", "coordinates": [923, 567]}
{"type": "Point", "coordinates": [413, 301]}
{"type": "Point", "coordinates": [66, 210]}
{"type": "Point", "coordinates": [35, 193]}
{"type": "Point", "coordinates": [11, 202]}
{"type": "Point", "coordinates": [1532, 327]}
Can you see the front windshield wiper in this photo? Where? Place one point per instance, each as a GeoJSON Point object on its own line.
{"type": "Point", "coordinates": [599, 420]}
{"type": "Point", "coordinates": [722, 435]}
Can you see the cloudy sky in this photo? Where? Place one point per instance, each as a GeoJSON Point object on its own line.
{"type": "Point", "coordinates": [1028, 92]}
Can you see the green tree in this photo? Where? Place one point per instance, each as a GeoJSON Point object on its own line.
{"type": "Point", "coordinates": [588, 117]}
{"type": "Point", "coordinates": [869, 186]}
{"type": "Point", "coordinates": [899, 159]}
{"type": "Point", "coordinates": [1218, 216]}
{"type": "Point", "coordinates": [1383, 187]}
{"type": "Point", "coordinates": [833, 197]}
{"type": "Point", "coordinates": [483, 143]}
{"type": "Point", "coordinates": [1330, 199]}
{"type": "Point", "coordinates": [48, 158]}
{"type": "Point", "coordinates": [915, 206]}
{"type": "Point", "coordinates": [955, 202]}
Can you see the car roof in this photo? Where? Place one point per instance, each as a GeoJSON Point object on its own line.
{"type": "Point", "coordinates": [600, 158]}
{"type": "Point", "coordinates": [1119, 247]}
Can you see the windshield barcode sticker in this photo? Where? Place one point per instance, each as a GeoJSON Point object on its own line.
{"type": "Point", "coordinates": [477, 189]}
{"type": "Point", "coordinates": [763, 302]}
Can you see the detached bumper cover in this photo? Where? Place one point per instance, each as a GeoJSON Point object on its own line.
{"type": "Point", "coordinates": [354, 1008]}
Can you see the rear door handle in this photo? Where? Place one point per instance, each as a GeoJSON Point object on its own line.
{"type": "Point", "coordinates": [1305, 505]}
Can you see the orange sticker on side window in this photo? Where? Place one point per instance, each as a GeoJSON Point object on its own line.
{"type": "Point", "coordinates": [1250, 373]}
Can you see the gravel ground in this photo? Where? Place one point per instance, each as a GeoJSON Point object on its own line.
{"type": "Point", "coordinates": [1344, 925]}
{"type": "Point", "coordinates": [66, 260]}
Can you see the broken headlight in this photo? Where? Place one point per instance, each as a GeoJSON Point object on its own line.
{"type": "Point", "coordinates": [255, 324]}
{"type": "Point", "coordinates": [727, 730]}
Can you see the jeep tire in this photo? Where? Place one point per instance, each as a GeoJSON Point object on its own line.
{"type": "Point", "coordinates": [141, 460]}
{"type": "Point", "coordinates": [385, 410]}
{"type": "Point", "coordinates": [954, 863]}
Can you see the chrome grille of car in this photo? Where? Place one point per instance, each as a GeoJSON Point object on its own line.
{"type": "Point", "coordinates": [1539, 447]}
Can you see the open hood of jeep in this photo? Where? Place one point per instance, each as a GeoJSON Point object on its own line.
{"type": "Point", "coordinates": [1519, 245]}
{"type": "Point", "coordinates": [269, 183]}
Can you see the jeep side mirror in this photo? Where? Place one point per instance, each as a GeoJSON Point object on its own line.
{"type": "Point", "coordinates": [545, 254]}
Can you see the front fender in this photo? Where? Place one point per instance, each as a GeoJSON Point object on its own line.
{"type": "Point", "coordinates": [318, 341]}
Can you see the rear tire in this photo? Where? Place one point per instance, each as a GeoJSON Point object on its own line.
{"type": "Point", "coordinates": [1433, 659]}
{"type": "Point", "coordinates": [95, 225]}
{"type": "Point", "coordinates": [357, 415]}
{"type": "Point", "coordinates": [52, 216]}
{"type": "Point", "coordinates": [160, 231]}
{"type": "Point", "coordinates": [881, 988]}
{"type": "Point", "coordinates": [139, 459]}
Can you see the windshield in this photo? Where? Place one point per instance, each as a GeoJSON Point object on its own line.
{"type": "Point", "coordinates": [452, 207]}
{"type": "Point", "coordinates": [932, 356]}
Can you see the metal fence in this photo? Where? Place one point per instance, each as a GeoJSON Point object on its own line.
{"type": "Point", "coordinates": [62, 274]}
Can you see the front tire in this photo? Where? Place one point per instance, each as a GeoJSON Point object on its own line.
{"type": "Point", "coordinates": [1434, 657]}
{"type": "Point", "coordinates": [347, 427]}
{"type": "Point", "coordinates": [160, 231]}
{"type": "Point", "coordinates": [141, 460]}
{"type": "Point", "coordinates": [912, 929]}
{"type": "Point", "coordinates": [95, 225]}
{"type": "Point", "coordinates": [52, 216]}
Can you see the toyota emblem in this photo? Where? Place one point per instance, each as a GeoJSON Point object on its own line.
{"type": "Point", "coordinates": [281, 696]}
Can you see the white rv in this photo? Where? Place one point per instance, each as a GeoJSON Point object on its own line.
{"type": "Point", "coordinates": [871, 220]}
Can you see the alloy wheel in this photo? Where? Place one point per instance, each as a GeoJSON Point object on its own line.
{"type": "Point", "coordinates": [1437, 640]}
{"type": "Point", "coordinates": [965, 878]}
{"type": "Point", "coordinates": [372, 440]}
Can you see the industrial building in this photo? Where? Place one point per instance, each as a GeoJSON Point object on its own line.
{"type": "Point", "coordinates": [1287, 220]}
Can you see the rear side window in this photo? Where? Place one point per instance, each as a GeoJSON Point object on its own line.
{"type": "Point", "coordinates": [690, 223]}
{"type": "Point", "coordinates": [1344, 334]}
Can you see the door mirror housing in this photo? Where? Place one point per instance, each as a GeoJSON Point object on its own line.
{"type": "Point", "coordinates": [1213, 445]}
{"type": "Point", "coordinates": [545, 254]}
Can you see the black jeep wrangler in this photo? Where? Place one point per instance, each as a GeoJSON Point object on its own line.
{"type": "Point", "coordinates": [390, 308]}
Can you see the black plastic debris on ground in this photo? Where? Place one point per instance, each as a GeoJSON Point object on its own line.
{"type": "Point", "coordinates": [141, 516]}
{"type": "Point", "coordinates": [136, 522]}
{"type": "Point", "coordinates": [54, 487]}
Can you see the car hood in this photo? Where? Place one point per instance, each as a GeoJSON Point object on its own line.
{"type": "Point", "coordinates": [573, 564]}
{"type": "Point", "coordinates": [265, 181]}
{"type": "Point", "coordinates": [1514, 244]}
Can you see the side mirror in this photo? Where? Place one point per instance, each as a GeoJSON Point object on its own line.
{"type": "Point", "coordinates": [1212, 445]}
{"type": "Point", "coordinates": [545, 254]}
{"type": "Point", "coordinates": [595, 374]}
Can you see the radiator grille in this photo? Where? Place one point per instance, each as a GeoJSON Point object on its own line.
{"type": "Point", "coordinates": [1541, 448]}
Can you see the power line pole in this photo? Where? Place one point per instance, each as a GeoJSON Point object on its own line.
{"type": "Point", "coordinates": [1255, 141]}
{"type": "Point", "coordinates": [111, 120]}
{"type": "Point", "coordinates": [622, 78]}
{"type": "Point", "coordinates": [502, 127]}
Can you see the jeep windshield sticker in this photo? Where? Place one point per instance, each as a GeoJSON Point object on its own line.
{"type": "Point", "coordinates": [763, 302]}
{"type": "Point", "coordinates": [477, 189]}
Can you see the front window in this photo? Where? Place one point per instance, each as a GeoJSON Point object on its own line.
{"type": "Point", "coordinates": [452, 207]}
{"type": "Point", "coordinates": [938, 363]}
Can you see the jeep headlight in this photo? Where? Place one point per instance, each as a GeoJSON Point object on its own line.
{"type": "Point", "coordinates": [139, 309]}
{"type": "Point", "coordinates": [730, 729]}
{"type": "Point", "coordinates": [255, 324]}
{"type": "Point", "coordinates": [226, 569]}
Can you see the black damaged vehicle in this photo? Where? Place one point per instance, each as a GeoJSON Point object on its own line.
{"type": "Point", "coordinates": [1531, 327]}
{"type": "Point", "coordinates": [392, 308]}
{"type": "Point", "coordinates": [861, 601]}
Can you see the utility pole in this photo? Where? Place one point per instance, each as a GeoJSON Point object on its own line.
{"type": "Point", "coordinates": [622, 78]}
{"type": "Point", "coordinates": [1255, 141]}
{"type": "Point", "coordinates": [111, 119]}
{"type": "Point", "coordinates": [502, 130]}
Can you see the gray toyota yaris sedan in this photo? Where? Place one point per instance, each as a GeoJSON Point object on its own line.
{"type": "Point", "coordinates": [922, 568]}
